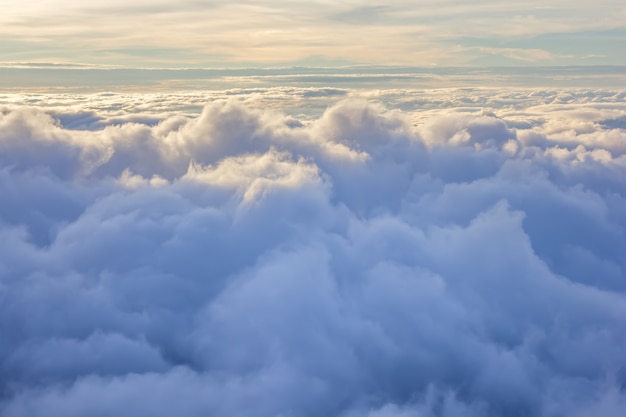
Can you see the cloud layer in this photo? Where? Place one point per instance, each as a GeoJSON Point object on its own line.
{"type": "Point", "coordinates": [366, 262]}
{"type": "Point", "coordinates": [217, 33]}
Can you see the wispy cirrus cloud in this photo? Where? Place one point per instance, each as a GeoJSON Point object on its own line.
{"type": "Point", "coordinates": [192, 33]}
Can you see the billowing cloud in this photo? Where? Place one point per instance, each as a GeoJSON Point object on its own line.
{"type": "Point", "coordinates": [463, 257]}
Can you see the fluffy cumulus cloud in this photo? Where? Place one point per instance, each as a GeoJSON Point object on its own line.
{"type": "Point", "coordinates": [438, 261]}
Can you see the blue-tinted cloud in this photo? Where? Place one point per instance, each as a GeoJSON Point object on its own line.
{"type": "Point", "coordinates": [442, 262]}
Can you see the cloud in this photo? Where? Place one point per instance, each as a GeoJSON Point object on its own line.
{"type": "Point", "coordinates": [457, 260]}
{"type": "Point", "coordinates": [231, 34]}
{"type": "Point", "coordinates": [531, 55]}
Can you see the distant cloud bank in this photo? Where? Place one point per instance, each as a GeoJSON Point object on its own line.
{"type": "Point", "coordinates": [402, 253]}
{"type": "Point", "coordinates": [21, 77]}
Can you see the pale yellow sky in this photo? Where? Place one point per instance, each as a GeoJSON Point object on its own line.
{"type": "Point", "coordinates": [196, 33]}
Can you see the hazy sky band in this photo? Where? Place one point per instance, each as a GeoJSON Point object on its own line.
{"type": "Point", "coordinates": [318, 33]}
{"type": "Point", "coordinates": [25, 77]}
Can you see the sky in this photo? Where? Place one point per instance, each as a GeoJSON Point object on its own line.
{"type": "Point", "coordinates": [226, 34]}
{"type": "Point", "coordinates": [290, 209]}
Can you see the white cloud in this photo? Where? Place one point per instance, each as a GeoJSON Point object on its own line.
{"type": "Point", "coordinates": [461, 260]}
